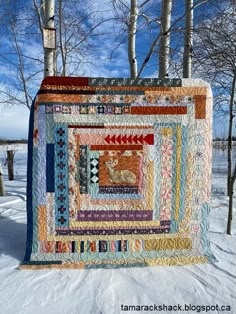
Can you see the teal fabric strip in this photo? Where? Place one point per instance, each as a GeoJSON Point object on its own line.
{"type": "Point", "coordinates": [174, 224]}
{"type": "Point", "coordinates": [61, 175]}
{"type": "Point", "coordinates": [35, 170]}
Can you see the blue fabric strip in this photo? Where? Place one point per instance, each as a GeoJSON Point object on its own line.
{"type": "Point", "coordinates": [50, 168]}
{"type": "Point", "coordinates": [29, 187]}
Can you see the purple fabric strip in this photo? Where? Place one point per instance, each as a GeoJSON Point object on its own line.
{"type": "Point", "coordinates": [118, 190]}
{"type": "Point", "coordinates": [104, 231]}
{"type": "Point", "coordinates": [165, 222]}
{"type": "Point", "coordinates": [115, 215]}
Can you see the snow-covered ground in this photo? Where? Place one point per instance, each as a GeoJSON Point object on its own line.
{"type": "Point", "coordinates": [105, 291]}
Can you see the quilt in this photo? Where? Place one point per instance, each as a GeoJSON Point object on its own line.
{"type": "Point", "coordinates": [119, 173]}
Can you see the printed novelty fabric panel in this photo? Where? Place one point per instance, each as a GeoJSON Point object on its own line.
{"type": "Point", "coordinates": [119, 173]}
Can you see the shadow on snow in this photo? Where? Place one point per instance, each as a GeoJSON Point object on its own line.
{"type": "Point", "coordinates": [12, 238]}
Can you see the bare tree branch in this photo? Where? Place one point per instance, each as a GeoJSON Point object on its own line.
{"type": "Point", "coordinates": [155, 42]}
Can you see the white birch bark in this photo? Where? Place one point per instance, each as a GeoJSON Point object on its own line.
{"type": "Point", "coordinates": [49, 55]}
{"type": "Point", "coordinates": [188, 39]}
{"type": "Point", "coordinates": [132, 38]}
{"type": "Point", "coordinates": [164, 52]}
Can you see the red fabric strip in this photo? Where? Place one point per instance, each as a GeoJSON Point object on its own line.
{"type": "Point", "coordinates": [59, 80]}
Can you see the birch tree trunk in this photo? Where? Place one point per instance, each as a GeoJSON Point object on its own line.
{"type": "Point", "coordinates": [164, 53]}
{"type": "Point", "coordinates": [132, 38]}
{"type": "Point", "coordinates": [49, 55]}
{"type": "Point", "coordinates": [231, 175]}
{"type": "Point", "coordinates": [188, 39]}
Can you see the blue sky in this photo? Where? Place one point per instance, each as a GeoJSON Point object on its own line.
{"type": "Point", "coordinates": [14, 121]}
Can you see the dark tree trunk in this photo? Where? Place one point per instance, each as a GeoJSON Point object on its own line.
{"type": "Point", "coordinates": [231, 176]}
{"type": "Point", "coordinates": [10, 160]}
{"type": "Point", "coordinates": [2, 188]}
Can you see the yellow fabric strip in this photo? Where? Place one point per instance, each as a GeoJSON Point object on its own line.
{"type": "Point", "coordinates": [113, 237]}
{"type": "Point", "coordinates": [150, 190]}
{"type": "Point", "coordinates": [165, 90]}
{"type": "Point", "coordinates": [178, 91]}
{"type": "Point", "coordinates": [114, 224]}
{"type": "Point", "coordinates": [42, 223]}
{"type": "Point", "coordinates": [167, 244]}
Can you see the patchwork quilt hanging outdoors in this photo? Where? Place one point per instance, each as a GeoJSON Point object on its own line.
{"type": "Point", "coordinates": [119, 173]}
